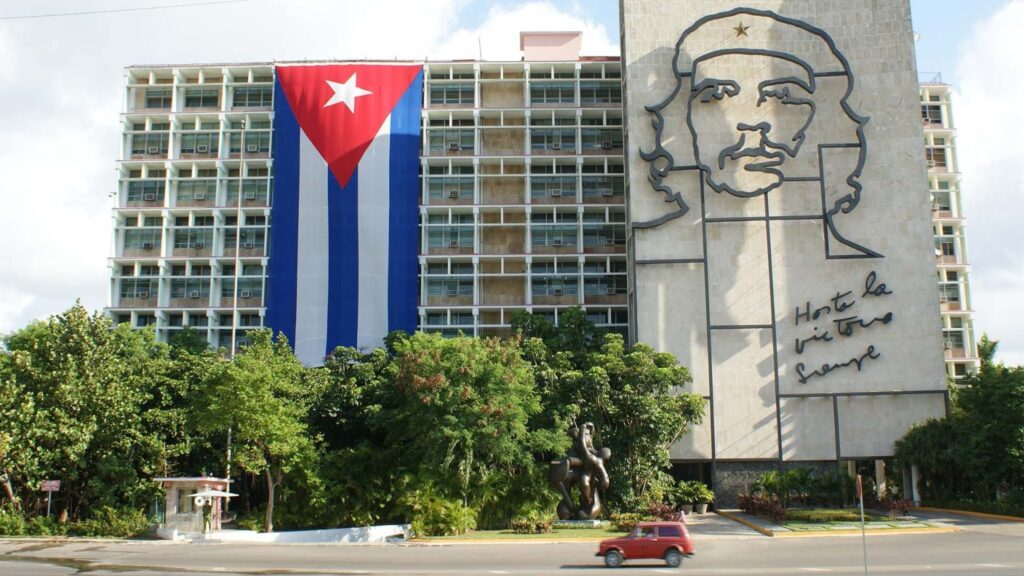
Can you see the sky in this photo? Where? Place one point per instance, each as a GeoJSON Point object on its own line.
{"type": "Point", "coordinates": [61, 90]}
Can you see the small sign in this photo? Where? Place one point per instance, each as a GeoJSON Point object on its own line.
{"type": "Point", "coordinates": [860, 488]}
{"type": "Point", "coordinates": [50, 486]}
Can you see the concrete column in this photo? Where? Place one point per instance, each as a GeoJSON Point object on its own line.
{"type": "Point", "coordinates": [880, 481]}
{"type": "Point", "coordinates": [851, 468]}
{"type": "Point", "coordinates": [915, 478]}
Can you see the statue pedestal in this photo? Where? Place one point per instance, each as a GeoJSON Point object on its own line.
{"type": "Point", "coordinates": [578, 523]}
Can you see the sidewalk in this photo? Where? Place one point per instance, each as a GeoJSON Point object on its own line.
{"type": "Point", "coordinates": [887, 527]}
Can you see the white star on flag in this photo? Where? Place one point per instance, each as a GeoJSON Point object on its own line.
{"type": "Point", "coordinates": [346, 93]}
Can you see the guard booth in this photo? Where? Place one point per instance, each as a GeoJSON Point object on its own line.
{"type": "Point", "coordinates": [183, 505]}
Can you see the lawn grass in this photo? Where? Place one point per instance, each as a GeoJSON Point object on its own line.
{"type": "Point", "coordinates": [556, 534]}
{"type": "Point", "coordinates": [827, 515]}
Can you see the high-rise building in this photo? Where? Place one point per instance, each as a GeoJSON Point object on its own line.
{"type": "Point", "coordinates": [949, 223]}
{"type": "Point", "coordinates": [522, 194]}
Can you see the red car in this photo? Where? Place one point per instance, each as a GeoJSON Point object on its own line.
{"type": "Point", "coordinates": [667, 540]}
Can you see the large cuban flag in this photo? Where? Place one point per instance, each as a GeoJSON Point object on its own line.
{"type": "Point", "coordinates": [344, 230]}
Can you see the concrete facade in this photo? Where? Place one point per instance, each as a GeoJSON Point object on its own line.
{"type": "Point", "coordinates": [785, 253]}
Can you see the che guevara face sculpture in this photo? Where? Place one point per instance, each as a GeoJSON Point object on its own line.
{"type": "Point", "coordinates": [754, 117]}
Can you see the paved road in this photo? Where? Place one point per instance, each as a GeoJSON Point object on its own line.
{"type": "Point", "coordinates": [983, 548]}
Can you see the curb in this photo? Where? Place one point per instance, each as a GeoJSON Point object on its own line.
{"type": "Point", "coordinates": [745, 522]}
{"type": "Point", "coordinates": [985, 515]}
{"type": "Point", "coordinates": [824, 533]}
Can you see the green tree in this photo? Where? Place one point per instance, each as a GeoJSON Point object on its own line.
{"type": "Point", "coordinates": [635, 398]}
{"type": "Point", "coordinates": [261, 396]}
{"type": "Point", "coordinates": [72, 393]}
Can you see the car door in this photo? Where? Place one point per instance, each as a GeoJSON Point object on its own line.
{"type": "Point", "coordinates": [647, 543]}
{"type": "Point", "coordinates": [668, 537]}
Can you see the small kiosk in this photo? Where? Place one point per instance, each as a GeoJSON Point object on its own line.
{"type": "Point", "coordinates": [184, 501]}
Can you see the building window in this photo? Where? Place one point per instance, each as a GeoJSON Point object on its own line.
{"type": "Point", "coordinates": [598, 187]}
{"type": "Point", "coordinates": [553, 139]}
{"type": "Point", "coordinates": [143, 289]}
{"type": "Point", "coordinates": [150, 144]}
{"type": "Point", "coordinates": [193, 238]}
{"type": "Point", "coordinates": [935, 157]}
{"type": "Point", "coordinates": [146, 191]}
{"type": "Point", "coordinates": [554, 286]}
{"type": "Point", "coordinates": [451, 93]}
{"type": "Point", "coordinates": [142, 239]}
{"type": "Point", "coordinates": [601, 139]}
{"type": "Point", "coordinates": [604, 285]}
{"type": "Point", "coordinates": [553, 236]}
{"type": "Point", "coordinates": [253, 190]}
{"type": "Point", "coordinates": [604, 235]}
{"type": "Point", "coordinates": [451, 188]}
{"type": "Point", "coordinates": [143, 320]}
{"type": "Point", "coordinates": [450, 287]}
{"type": "Point", "coordinates": [450, 236]}
{"type": "Point", "coordinates": [196, 190]}
{"type": "Point", "coordinates": [192, 288]}
{"type": "Point", "coordinates": [545, 187]}
{"type": "Point", "coordinates": [450, 141]}
{"type": "Point", "coordinates": [158, 98]}
{"type": "Point", "coordinates": [552, 93]}
{"type": "Point", "coordinates": [931, 113]}
{"type": "Point", "coordinates": [200, 143]}
{"type": "Point", "coordinates": [592, 92]}
{"type": "Point", "coordinates": [253, 96]}
{"type": "Point", "coordinates": [202, 97]}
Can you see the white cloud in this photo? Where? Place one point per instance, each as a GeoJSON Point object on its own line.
{"type": "Point", "coordinates": [61, 89]}
{"type": "Point", "coordinates": [991, 154]}
{"type": "Point", "coordinates": [498, 37]}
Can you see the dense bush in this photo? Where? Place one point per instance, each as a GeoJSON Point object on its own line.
{"type": "Point", "coordinates": [625, 521]}
{"type": "Point", "coordinates": [532, 525]}
{"type": "Point", "coordinates": [12, 522]}
{"type": "Point", "coordinates": [763, 507]}
{"type": "Point", "coordinates": [112, 522]}
{"type": "Point", "coordinates": [43, 526]}
{"type": "Point", "coordinates": [662, 511]}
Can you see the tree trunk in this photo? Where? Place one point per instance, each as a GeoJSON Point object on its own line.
{"type": "Point", "coordinates": [8, 489]}
{"type": "Point", "coordinates": [270, 501]}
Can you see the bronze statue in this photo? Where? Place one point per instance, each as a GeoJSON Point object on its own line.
{"type": "Point", "coordinates": [583, 466]}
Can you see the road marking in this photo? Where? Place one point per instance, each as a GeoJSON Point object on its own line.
{"type": "Point", "coordinates": [993, 565]}
{"type": "Point", "coordinates": [815, 569]}
{"type": "Point", "coordinates": [497, 572]}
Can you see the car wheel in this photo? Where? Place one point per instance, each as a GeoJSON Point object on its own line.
{"type": "Point", "coordinates": [613, 559]}
{"type": "Point", "coordinates": [673, 558]}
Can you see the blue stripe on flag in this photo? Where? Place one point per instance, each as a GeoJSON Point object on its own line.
{"type": "Point", "coordinates": [343, 290]}
{"type": "Point", "coordinates": [404, 212]}
{"type": "Point", "coordinates": [282, 266]}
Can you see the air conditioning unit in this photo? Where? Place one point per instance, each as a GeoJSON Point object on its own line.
{"type": "Point", "coordinates": [153, 150]}
{"type": "Point", "coordinates": [249, 195]}
{"type": "Point", "coordinates": [252, 148]}
{"type": "Point", "coordinates": [605, 191]}
{"type": "Point", "coordinates": [149, 197]}
{"type": "Point", "coordinates": [193, 294]}
{"type": "Point", "coordinates": [556, 242]}
{"type": "Point", "coordinates": [936, 207]}
{"type": "Point", "coordinates": [143, 295]}
{"type": "Point", "coordinates": [245, 294]}
{"type": "Point", "coordinates": [609, 241]}
{"type": "Point", "coordinates": [606, 145]}
{"type": "Point", "coordinates": [454, 147]}
{"type": "Point", "coordinates": [202, 149]}
{"type": "Point", "coordinates": [199, 196]}
{"type": "Point", "coordinates": [947, 345]}
{"type": "Point", "coordinates": [943, 299]}
{"type": "Point", "coordinates": [556, 145]}
{"type": "Point", "coordinates": [198, 245]}
{"type": "Point", "coordinates": [930, 163]}
{"type": "Point", "coordinates": [555, 193]}
{"type": "Point", "coordinates": [147, 245]}
{"type": "Point", "coordinates": [453, 193]}
{"type": "Point", "coordinates": [453, 243]}
{"type": "Point", "coordinates": [556, 291]}
{"type": "Point", "coordinates": [248, 244]}
{"type": "Point", "coordinates": [610, 290]}
{"type": "Point", "coordinates": [453, 292]}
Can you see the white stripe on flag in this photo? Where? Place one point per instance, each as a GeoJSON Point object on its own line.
{"type": "Point", "coordinates": [374, 230]}
{"type": "Point", "coordinates": [312, 263]}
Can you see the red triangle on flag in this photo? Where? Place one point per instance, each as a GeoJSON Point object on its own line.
{"type": "Point", "coordinates": [341, 107]}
